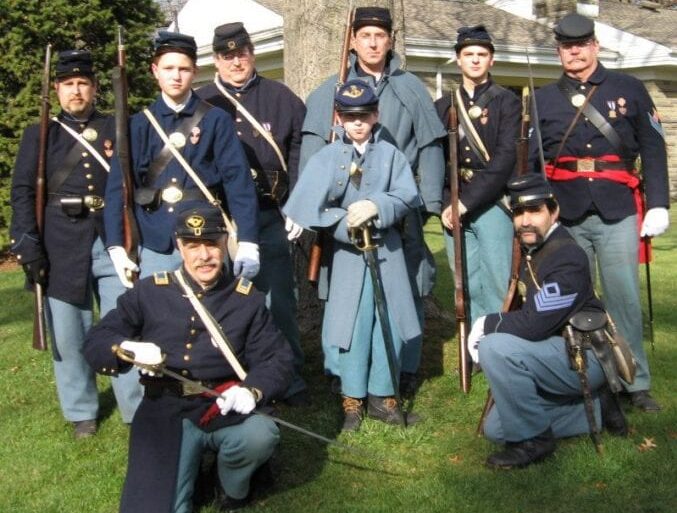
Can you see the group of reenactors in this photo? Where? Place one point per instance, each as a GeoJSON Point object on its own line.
{"type": "Point", "coordinates": [362, 164]}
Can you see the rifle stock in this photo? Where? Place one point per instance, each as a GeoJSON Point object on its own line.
{"type": "Point", "coordinates": [39, 330]}
{"type": "Point", "coordinates": [120, 93]}
{"type": "Point", "coordinates": [315, 257]}
{"type": "Point", "coordinates": [464, 361]}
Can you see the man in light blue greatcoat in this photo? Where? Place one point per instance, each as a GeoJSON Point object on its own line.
{"type": "Point", "coordinates": [409, 121]}
{"type": "Point", "coordinates": [361, 180]}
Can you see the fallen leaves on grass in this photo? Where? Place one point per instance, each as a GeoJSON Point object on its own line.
{"type": "Point", "coordinates": [647, 444]}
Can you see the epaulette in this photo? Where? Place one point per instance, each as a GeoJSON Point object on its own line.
{"type": "Point", "coordinates": [162, 278]}
{"type": "Point", "coordinates": [244, 286]}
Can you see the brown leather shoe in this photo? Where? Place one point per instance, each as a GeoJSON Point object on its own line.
{"type": "Point", "coordinates": [387, 410]}
{"type": "Point", "coordinates": [84, 428]}
{"type": "Point", "coordinates": [353, 411]}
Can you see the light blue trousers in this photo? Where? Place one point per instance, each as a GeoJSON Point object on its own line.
{"type": "Point", "coordinates": [276, 280]}
{"type": "Point", "coordinates": [240, 450]}
{"type": "Point", "coordinates": [534, 388]}
{"type": "Point", "coordinates": [68, 324]}
{"type": "Point", "coordinates": [364, 366]}
{"type": "Point", "coordinates": [613, 250]}
{"type": "Point", "coordinates": [488, 257]}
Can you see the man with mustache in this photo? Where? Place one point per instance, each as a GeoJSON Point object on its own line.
{"type": "Point", "coordinates": [538, 397]}
{"type": "Point", "coordinates": [174, 423]}
{"type": "Point", "coordinates": [70, 260]}
{"type": "Point", "coordinates": [594, 124]}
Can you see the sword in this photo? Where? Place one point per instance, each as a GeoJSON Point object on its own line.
{"type": "Point", "coordinates": [649, 296]}
{"type": "Point", "coordinates": [369, 249]}
{"type": "Point", "coordinates": [129, 357]}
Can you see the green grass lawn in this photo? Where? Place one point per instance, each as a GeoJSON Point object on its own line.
{"type": "Point", "coordinates": [435, 466]}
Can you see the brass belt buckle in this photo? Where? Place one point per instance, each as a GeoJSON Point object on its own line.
{"type": "Point", "coordinates": [171, 194]}
{"type": "Point", "coordinates": [191, 389]}
{"type": "Point", "coordinates": [585, 165]}
{"type": "Point", "coordinates": [93, 202]}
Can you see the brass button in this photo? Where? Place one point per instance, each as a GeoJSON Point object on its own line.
{"type": "Point", "coordinates": [90, 187]}
{"type": "Point", "coordinates": [199, 295]}
{"type": "Point", "coordinates": [192, 318]}
{"type": "Point", "coordinates": [238, 120]}
{"type": "Point", "coordinates": [186, 357]}
{"type": "Point", "coordinates": [86, 164]}
{"type": "Point", "coordinates": [88, 176]}
{"type": "Point", "coordinates": [170, 209]}
{"type": "Point", "coordinates": [588, 145]}
{"type": "Point", "coordinates": [184, 372]}
{"type": "Point", "coordinates": [467, 160]}
{"type": "Point", "coordinates": [239, 133]}
{"type": "Point", "coordinates": [193, 331]}
{"type": "Point", "coordinates": [173, 180]}
{"type": "Point", "coordinates": [590, 179]}
{"type": "Point", "coordinates": [467, 148]}
{"type": "Point", "coordinates": [85, 154]}
{"type": "Point", "coordinates": [189, 346]}
{"type": "Point", "coordinates": [103, 369]}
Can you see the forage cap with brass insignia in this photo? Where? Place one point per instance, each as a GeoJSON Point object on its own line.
{"type": "Point", "coordinates": [202, 222]}
{"type": "Point", "coordinates": [74, 63]}
{"type": "Point", "coordinates": [529, 190]}
{"type": "Point", "coordinates": [356, 96]}
{"type": "Point", "coordinates": [229, 37]}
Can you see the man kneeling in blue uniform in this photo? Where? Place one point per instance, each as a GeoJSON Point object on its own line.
{"type": "Point", "coordinates": [538, 397]}
{"type": "Point", "coordinates": [174, 424]}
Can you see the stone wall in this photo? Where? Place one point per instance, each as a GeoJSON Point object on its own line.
{"type": "Point", "coordinates": [664, 95]}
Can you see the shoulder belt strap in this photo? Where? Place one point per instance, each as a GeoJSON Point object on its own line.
{"type": "Point", "coordinates": [595, 118]}
{"type": "Point", "coordinates": [252, 120]}
{"type": "Point", "coordinates": [219, 339]}
{"type": "Point", "coordinates": [74, 155]}
{"type": "Point", "coordinates": [189, 122]}
{"type": "Point", "coordinates": [469, 129]}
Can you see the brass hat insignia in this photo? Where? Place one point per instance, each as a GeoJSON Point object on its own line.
{"type": "Point", "coordinates": [231, 44]}
{"type": "Point", "coordinates": [353, 92]}
{"type": "Point", "coordinates": [196, 223]}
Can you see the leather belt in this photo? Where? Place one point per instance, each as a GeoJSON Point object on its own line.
{"type": "Point", "coordinates": [591, 165]}
{"type": "Point", "coordinates": [155, 388]}
{"type": "Point", "coordinates": [90, 201]}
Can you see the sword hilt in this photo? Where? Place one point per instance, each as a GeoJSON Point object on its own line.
{"type": "Point", "coordinates": [365, 244]}
{"type": "Point", "coordinates": [130, 357]}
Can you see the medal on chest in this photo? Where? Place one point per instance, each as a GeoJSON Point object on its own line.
{"type": "Point", "coordinates": [195, 135]}
{"type": "Point", "coordinates": [108, 148]}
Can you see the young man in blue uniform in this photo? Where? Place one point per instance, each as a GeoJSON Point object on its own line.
{"type": "Point", "coordinates": [268, 118]}
{"type": "Point", "coordinates": [69, 260]}
{"type": "Point", "coordinates": [489, 116]}
{"type": "Point", "coordinates": [174, 423]}
{"type": "Point", "coordinates": [538, 397]}
{"type": "Point", "coordinates": [205, 137]}
{"type": "Point", "coordinates": [590, 161]}
{"type": "Point", "coordinates": [356, 181]}
{"type": "Point", "coordinates": [408, 119]}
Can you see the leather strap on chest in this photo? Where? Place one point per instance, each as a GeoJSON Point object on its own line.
{"type": "Point", "coordinates": [72, 158]}
{"type": "Point", "coordinates": [595, 117]}
{"type": "Point", "coordinates": [471, 135]}
{"type": "Point", "coordinates": [163, 158]}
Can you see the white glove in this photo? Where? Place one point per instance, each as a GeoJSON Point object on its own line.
{"type": "Point", "coordinates": [123, 265]}
{"type": "Point", "coordinates": [146, 353]}
{"type": "Point", "coordinates": [237, 399]}
{"type": "Point", "coordinates": [246, 262]}
{"type": "Point", "coordinates": [360, 212]}
{"type": "Point", "coordinates": [656, 221]}
{"type": "Point", "coordinates": [476, 334]}
{"type": "Point", "coordinates": [295, 230]}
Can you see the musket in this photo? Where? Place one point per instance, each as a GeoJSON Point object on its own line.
{"type": "Point", "coordinates": [370, 252]}
{"type": "Point", "coordinates": [129, 357]}
{"type": "Point", "coordinates": [461, 308]}
{"type": "Point", "coordinates": [511, 299]}
{"type": "Point", "coordinates": [120, 92]}
{"type": "Point", "coordinates": [39, 328]}
{"type": "Point", "coordinates": [315, 257]}
{"type": "Point", "coordinates": [536, 124]}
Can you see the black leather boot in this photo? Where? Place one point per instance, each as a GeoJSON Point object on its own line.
{"type": "Point", "coordinates": [613, 418]}
{"type": "Point", "coordinates": [526, 452]}
{"type": "Point", "coordinates": [353, 413]}
{"type": "Point", "coordinates": [642, 400]}
{"type": "Point", "coordinates": [387, 410]}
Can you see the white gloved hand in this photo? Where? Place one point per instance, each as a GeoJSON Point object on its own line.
{"type": "Point", "coordinates": [246, 263]}
{"type": "Point", "coordinates": [237, 399]}
{"type": "Point", "coordinates": [146, 353]}
{"type": "Point", "coordinates": [360, 212]}
{"type": "Point", "coordinates": [294, 230]}
{"type": "Point", "coordinates": [656, 221]}
{"type": "Point", "coordinates": [123, 265]}
{"type": "Point", "coordinates": [476, 334]}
